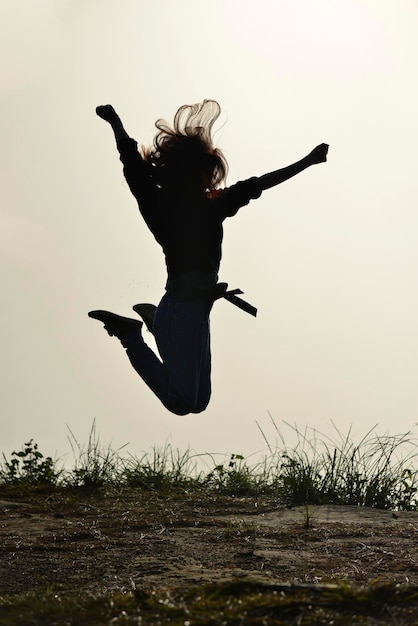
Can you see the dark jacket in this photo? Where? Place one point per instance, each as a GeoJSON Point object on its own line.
{"type": "Point", "coordinates": [189, 232]}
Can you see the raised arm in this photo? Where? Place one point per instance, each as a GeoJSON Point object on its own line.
{"type": "Point", "coordinates": [134, 168]}
{"type": "Point", "coordinates": [108, 113]}
{"type": "Point", "coordinates": [318, 155]}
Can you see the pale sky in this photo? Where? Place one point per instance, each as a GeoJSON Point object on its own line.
{"type": "Point", "coordinates": [329, 258]}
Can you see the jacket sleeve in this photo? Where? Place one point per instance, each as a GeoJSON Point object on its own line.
{"type": "Point", "coordinates": [139, 180]}
{"type": "Point", "coordinates": [134, 168]}
{"type": "Point", "coordinates": [233, 198]}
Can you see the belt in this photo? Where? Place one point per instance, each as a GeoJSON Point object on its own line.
{"type": "Point", "coordinates": [147, 311]}
{"type": "Point", "coordinates": [232, 297]}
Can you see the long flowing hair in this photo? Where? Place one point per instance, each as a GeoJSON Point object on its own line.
{"type": "Point", "coordinates": [189, 140]}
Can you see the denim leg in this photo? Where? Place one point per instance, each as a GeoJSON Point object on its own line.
{"type": "Point", "coordinates": [205, 386]}
{"type": "Point", "coordinates": [153, 372]}
{"type": "Point", "coordinates": [181, 330]}
{"type": "Point", "coordinates": [182, 379]}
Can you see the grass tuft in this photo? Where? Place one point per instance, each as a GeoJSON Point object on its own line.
{"type": "Point", "coordinates": [374, 472]}
{"type": "Point", "coordinates": [94, 466]}
{"type": "Point", "coordinates": [163, 470]}
{"type": "Point", "coordinates": [318, 469]}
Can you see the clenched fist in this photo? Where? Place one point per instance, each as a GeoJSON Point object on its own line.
{"type": "Point", "coordinates": [106, 112]}
{"type": "Point", "coordinates": [319, 154]}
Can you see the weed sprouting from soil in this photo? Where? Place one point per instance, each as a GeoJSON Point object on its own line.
{"type": "Point", "coordinates": [29, 466]}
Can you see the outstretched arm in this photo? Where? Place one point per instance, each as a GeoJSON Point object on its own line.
{"type": "Point", "coordinates": [108, 113]}
{"type": "Point", "coordinates": [318, 155]}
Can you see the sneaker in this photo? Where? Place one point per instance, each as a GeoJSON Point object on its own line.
{"type": "Point", "coordinates": [147, 312]}
{"type": "Point", "coordinates": [116, 325]}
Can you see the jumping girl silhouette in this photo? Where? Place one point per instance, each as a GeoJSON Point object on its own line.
{"type": "Point", "coordinates": [177, 185]}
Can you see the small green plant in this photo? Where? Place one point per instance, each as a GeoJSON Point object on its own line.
{"type": "Point", "coordinates": [308, 518]}
{"type": "Point", "coordinates": [234, 478]}
{"type": "Point", "coordinates": [29, 466]}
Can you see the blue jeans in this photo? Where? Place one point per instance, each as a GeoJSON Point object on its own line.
{"type": "Point", "coordinates": [181, 379]}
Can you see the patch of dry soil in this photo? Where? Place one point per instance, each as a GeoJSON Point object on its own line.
{"type": "Point", "coordinates": [78, 542]}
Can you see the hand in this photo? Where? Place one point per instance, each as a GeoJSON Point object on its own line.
{"type": "Point", "coordinates": [106, 112]}
{"type": "Point", "coordinates": [318, 154]}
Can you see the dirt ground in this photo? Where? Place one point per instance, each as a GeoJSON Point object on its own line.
{"type": "Point", "coordinates": [73, 541]}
